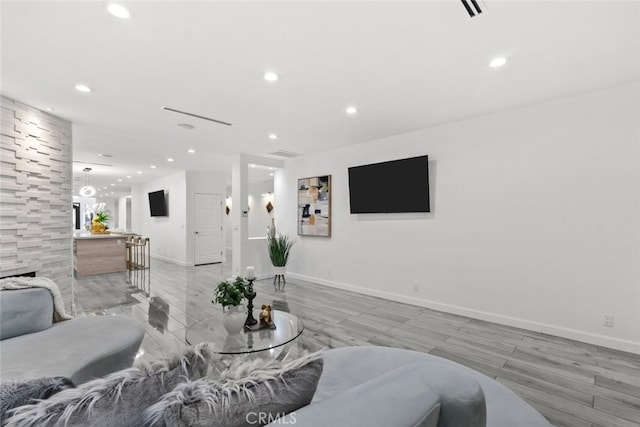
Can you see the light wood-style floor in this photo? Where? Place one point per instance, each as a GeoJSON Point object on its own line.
{"type": "Point", "coordinates": [570, 383]}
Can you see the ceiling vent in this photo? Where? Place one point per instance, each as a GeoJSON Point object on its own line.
{"type": "Point", "coordinates": [90, 163]}
{"type": "Point", "coordinates": [472, 7]}
{"type": "Point", "coordinates": [283, 153]}
{"type": "Point", "coordinates": [197, 116]}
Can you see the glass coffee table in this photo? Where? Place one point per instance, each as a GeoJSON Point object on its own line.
{"type": "Point", "coordinates": [288, 328]}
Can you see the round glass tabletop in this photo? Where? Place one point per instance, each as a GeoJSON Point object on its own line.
{"type": "Point", "coordinates": [288, 328]}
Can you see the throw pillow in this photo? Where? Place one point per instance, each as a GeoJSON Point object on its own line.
{"type": "Point", "coordinates": [247, 393]}
{"type": "Point", "coordinates": [15, 393]}
{"type": "Point", "coordinates": [117, 399]}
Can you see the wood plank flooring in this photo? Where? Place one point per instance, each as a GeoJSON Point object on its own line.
{"type": "Point", "coordinates": [570, 383]}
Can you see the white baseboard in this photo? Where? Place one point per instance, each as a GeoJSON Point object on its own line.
{"type": "Point", "coordinates": [171, 260]}
{"type": "Point", "coordinates": [586, 337]}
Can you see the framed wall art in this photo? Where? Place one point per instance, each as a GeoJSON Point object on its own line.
{"type": "Point", "coordinates": [314, 206]}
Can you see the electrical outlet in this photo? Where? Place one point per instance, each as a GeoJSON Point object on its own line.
{"type": "Point", "coordinates": [608, 320]}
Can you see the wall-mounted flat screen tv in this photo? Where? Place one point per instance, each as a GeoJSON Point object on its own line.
{"type": "Point", "coordinates": [157, 203]}
{"type": "Point", "coordinates": [396, 186]}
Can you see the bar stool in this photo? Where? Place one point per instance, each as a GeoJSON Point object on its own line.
{"type": "Point", "coordinates": [139, 262]}
{"type": "Point", "coordinates": [138, 253]}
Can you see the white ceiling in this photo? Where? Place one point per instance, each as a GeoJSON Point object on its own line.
{"type": "Point", "coordinates": [406, 65]}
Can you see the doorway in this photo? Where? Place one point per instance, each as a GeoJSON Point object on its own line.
{"type": "Point", "coordinates": [207, 229]}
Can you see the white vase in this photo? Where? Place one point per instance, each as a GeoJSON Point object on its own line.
{"type": "Point", "coordinates": [233, 318]}
{"type": "Point", "coordinates": [279, 270]}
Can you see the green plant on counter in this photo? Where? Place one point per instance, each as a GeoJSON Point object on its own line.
{"type": "Point", "coordinates": [101, 217]}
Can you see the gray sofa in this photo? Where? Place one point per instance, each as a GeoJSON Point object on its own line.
{"type": "Point", "coordinates": [82, 349]}
{"type": "Point", "coordinates": [355, 386]}
{"type": "Point", "coordinates": [381, 386]}
{"type": "Point", "coordinates": [358, 386]}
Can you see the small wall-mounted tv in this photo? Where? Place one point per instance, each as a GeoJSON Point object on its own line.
{"type": "Point", "coordinates": [157, 203]}
{"type": "Point", "coordinates": [396, 186]}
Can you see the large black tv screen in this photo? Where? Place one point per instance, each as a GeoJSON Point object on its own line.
{"type": "Point", "coordinates": [157, 203]}
{"type": "Point", "coordinates": [396, 186]}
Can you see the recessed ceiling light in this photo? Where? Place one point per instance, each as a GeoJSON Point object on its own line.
{"type": "Point", "coordinates": [113, 185]}
{"type": "Point", "coordinates": [139, 172]}
{"type": "Point", "coordinates": [49, 109]}
{"type": "Point", "coordinates": [185, 126]}
{"type": "Point", "coordinates": [351, 110]}
{"type": "Point", "coordinates": [152, 166]}
{"type": "Point", "coordinates": [118, 11]}
{"type": "Point", "coordinates": [83, 88]}
{"type": "Point", "coordinates": [252, 165]}
{"type": "Point", "coordinates": [270, 76]}
{"type": "Point", "coordinates": [169, 159]}
{"type": "Point", "coordinates": [498, 62]}
{"type": "Point", "coordinates": [119, 179]}
{"type": "Point", "coordinates": [104, 188]}
{"type": "Point", "coordinates": [271, 174]}
{"type": "Point", "coordinates": [128, 176]}
{"type": "Point", "coordinates": [273, 136]}
{"type": "Point", "coordinates": [191, 151]}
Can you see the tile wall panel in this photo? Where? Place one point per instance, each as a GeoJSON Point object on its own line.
{"type": "Point", "coordinates": [35, 194]}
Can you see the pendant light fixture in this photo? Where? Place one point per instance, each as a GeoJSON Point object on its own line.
{"type": "Point", "coordinates": [87, 190]}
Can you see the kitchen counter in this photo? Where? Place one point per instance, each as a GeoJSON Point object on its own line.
{"type": "Point", "coordinates": [98, 253]}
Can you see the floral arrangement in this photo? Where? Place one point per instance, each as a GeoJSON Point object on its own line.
{"type": "Point", "coordinates": [99, 213]}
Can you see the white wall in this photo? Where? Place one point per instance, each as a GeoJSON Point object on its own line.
{"type": "Point", "coordinates": [172, 236]}
{"type": "Point", "coordinates": [259, 217]}
{"type": "Point", "coordinates": [256, 248]}
{"type": "Point", "coordinates": [168, 234]}
{"type": "Point", "coordinates": [122, 213]}
{"type": "Point", "coordinates": [227, 220]}
{"type": "Point", "coordinates": [535, 219]}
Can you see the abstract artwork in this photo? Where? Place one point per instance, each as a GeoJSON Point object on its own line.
{"type": "Point", "coordinates": [314, 206]}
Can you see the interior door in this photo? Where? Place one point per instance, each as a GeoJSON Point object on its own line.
{"type": "Point", "coordinates": [208, 228]}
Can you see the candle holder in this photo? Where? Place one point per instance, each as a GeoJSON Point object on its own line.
{"type": "Point", "coordinates": [251, 294]}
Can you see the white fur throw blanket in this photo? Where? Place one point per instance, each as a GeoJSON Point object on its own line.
{"type": "Point", "coordinates": [13, 283]}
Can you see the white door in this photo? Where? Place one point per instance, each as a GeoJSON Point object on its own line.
{"type": "Point", "coordinates": [208, 228]}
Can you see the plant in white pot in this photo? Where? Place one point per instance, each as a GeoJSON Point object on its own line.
{"type": "Point", "coordinates": [279, 249]}
{"type": "Point", "coordinates": [230, 295]}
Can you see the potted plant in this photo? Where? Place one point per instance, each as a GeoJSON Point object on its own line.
{"type": "Point", "coordinates": [100, 218]}
{"type": "Point", "coordinates": [279, 249]}
{"type": "Point", "coordinates": [230, 294]}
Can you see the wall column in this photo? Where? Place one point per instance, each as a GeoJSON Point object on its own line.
{"type": "Point", "coordinates": [239, 213]}
{"type": "Point", "coordinates": [35, 192]}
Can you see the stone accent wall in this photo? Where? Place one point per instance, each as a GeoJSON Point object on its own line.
{"type": "Point", "coordinates": [36, 194]}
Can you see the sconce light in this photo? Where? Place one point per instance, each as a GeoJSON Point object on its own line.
{"type": "Point", "coordinates": [269, 207]}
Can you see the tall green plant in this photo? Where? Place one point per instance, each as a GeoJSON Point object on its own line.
{"type": "Point", "coordinates": [279, 249]}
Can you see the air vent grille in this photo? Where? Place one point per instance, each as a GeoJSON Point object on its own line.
{"type": "Point", "coordinates": [283, 153]}
{"type": "Point", "coordinates": [198, 116]}
{"type": "Point", "coordinates": [91, 163]}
